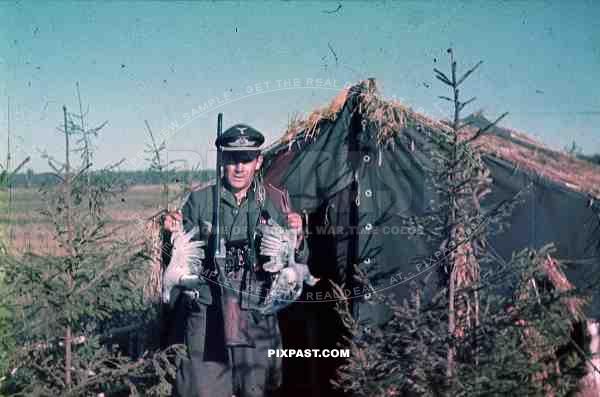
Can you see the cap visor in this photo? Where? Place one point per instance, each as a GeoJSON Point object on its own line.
{"type": "Point", "coordinates": [240, 156]}
{"type": "Point", "coordinates": [240, 149]}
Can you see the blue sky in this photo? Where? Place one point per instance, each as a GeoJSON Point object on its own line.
{"type": "Point", "coordinates": [159, 61]}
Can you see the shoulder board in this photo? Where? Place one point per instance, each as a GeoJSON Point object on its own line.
{"type": "Point", "coordinates": [279, 196]}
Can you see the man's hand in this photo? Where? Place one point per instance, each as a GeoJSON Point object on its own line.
{"type": "Point", "coordinates": [173, 221]}
{"type": "Point", "coordinates": [294, 221]}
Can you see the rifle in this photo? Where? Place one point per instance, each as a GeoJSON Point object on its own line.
{"type": "Point", "coordinates": [218, 242]}
{"type": "Point", "coordinates": [235, 321]}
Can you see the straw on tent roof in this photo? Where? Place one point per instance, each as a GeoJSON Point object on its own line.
{"type": "Point", "coordinates": [391, 118]}
{"type": "Point", "coordinates": [574, 173]}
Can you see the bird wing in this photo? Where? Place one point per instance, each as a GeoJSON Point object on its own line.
{"type": "Point", "coordinates": [186, 261]}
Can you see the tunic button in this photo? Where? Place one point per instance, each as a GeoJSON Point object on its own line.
{"type": "Point", "coordinates": [366, 158]}
{"type": "Point", "coordinates": [368, 227]}
{"type": "Point", "coordinates": [235, 211]}
{"type": "Point", "coordinates": [368, 193]}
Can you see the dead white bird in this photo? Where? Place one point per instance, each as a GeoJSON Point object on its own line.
{"type": "Point", "coordinates": [287, 287]}
{"type": "Point", "coordinates": [279, 245]}
{"type": "Point", "coordinates": [185, 266]}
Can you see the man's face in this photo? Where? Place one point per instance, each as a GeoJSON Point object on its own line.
{"type": "Point", "coordinates": [239, 170]}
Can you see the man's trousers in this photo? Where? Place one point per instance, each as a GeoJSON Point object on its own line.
{"type": "Point", "coordinates": [211, 369]}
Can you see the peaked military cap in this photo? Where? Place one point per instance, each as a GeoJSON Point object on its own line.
{"type": "Point", "coordinates": [240, 138]}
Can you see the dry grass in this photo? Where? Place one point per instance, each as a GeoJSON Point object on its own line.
{"type": "Point", "coordinates": [30, 231]}
{"type": "Point", "coordinates": [559, 167]}
{"type": "Point", "coordinates": [133, 219]}
{"type": "Point", "coordinates": [310, 125]}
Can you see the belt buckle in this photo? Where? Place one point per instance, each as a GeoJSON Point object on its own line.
{"type": "Point", "coordinates": [193, 299]}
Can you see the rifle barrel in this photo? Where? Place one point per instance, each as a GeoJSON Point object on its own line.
{"type": "Point", "coordinates": [217, 192]}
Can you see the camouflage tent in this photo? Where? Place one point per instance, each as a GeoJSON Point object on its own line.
{"type": "Point", "coordinates": [358, 168]}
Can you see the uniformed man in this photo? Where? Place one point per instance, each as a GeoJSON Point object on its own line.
{"type": "Point", "coordinates": [227, 338]}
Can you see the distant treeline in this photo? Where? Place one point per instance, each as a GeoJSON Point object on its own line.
{"type": "Point", "coordinates": [147, 177]}
{"type": "Point", "coordinates": [594, 158]}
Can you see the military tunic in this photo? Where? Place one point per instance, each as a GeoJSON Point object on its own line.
{"type": "Point", "coordinates": [211, 368]}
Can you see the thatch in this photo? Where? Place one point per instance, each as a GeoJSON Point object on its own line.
{"type": "Point", "coordinates": [559, 280]}
{"type": "Point", "coordinates": [391, 117]}
{"type": "Point", "coordinates": [152, 287]}
{"type": "Point", "coordinates": [309, 126]}
{"type": "Point", "coordinates": [528, 154]}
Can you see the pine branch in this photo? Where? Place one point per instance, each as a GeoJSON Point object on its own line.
{"type": "Point", "coordinates": [486, 128]}
{"type": "Point", "coordinates": [468, 73]}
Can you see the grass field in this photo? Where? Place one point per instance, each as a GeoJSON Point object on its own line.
{"type": "Point", "coordinates": [26, 228]}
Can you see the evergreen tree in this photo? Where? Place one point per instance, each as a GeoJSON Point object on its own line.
{"type": "Point", "coordinates": [64, 306]}
{"type": "Point", "coordinates": [7, 343]}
